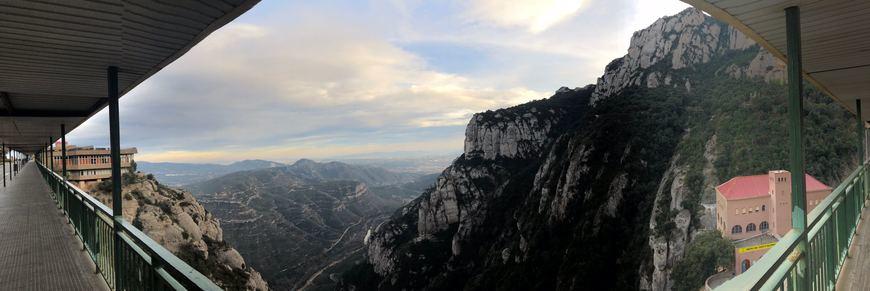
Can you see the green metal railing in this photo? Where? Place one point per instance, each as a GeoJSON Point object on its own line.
{"type": "Point", "coordinates": [832, 226]}
{"type": "Point", "coordinates": [145, 265]}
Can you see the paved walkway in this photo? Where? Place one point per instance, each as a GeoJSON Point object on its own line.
{"type": "Point", "coordinates": [38, 250]}
{"type": "Point", "coordinates": [856, 269]}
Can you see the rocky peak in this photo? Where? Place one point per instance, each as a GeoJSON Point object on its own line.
{"type": "Point", "coordinates": [517, 132]}
{"type": "Point", "coordinates": [683, 40]}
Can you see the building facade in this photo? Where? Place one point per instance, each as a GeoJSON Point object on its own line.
{"type": "Point", "coordinates": [87, 164]}
{"type": "Point", "coordinates": [755, 211]}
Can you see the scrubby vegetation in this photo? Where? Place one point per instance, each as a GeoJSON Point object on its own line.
{"type": "Point", "coordinates": [705, 255]}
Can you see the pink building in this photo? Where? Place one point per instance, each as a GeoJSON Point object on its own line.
{"type": "Point", "coordinates": [755, 211]}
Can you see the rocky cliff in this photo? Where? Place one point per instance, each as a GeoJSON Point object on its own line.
{"type": "Point", "coordinates": [602, 187]}
{"type": "Point", "coordinates": [508, 133]}
{"type": "Point", "coordinates": [671, 43]}
{"type": "Point", "coordinates": [175, 220]}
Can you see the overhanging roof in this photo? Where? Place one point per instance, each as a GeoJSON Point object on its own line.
{"type": "Point", "coordinates": [835, 46]}
{"type": "Point", "coordinates": [54, 55]}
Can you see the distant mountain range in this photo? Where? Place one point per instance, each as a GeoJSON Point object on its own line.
{"type": "Point", "coordinates": [178, 174]}
{"type": "Point", "coordinates": [419, 164]}
{"type": "Point", "coordinates": [302, 224]}
{"type": "Point", "coordinates": [372, 176]}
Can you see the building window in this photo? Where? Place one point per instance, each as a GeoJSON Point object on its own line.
{"type": "Point", "coordinates": [736, 229]}
{"type": "Point", "coordinates": [756, 208]}
{"type": "Point", "coordinates": [750, 227]}
{"type": "Point", "coordinates": [744, 266]}
{"type": "Point", "coordinates": [744, 210]}
{"type": "Point", "coordinates": [763, 226]}
{"type": "Point", "coordinates": [763, 208]}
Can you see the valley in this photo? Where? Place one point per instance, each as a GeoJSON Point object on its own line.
{"type": "Point", "coordinates": [298, 223]}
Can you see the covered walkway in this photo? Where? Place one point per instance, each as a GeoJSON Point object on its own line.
{"type": "Point", "coordinates": [62, 62]}
{"type": "Point", "coordinates": [857, 266]}
{"type": "Point", "coordinates": [38, 248]}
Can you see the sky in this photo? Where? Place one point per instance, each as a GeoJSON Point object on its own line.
{"type": "Point", "coordinates": [326, 79]}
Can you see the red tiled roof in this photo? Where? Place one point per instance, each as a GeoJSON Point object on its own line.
{"type": "Point", "coordinates": [743, 187]}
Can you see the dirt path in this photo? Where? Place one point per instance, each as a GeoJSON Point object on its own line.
{"type": "Point", "coordinates": [330, 265]}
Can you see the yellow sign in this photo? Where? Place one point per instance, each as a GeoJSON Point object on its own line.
{"type": "Point", "coordinates": [756, 247]}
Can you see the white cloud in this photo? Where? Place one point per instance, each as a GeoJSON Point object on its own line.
{"type": "Point", "coordinates": [533, 15]}
{"type": "Point", "coordinates": [306, 78]}
{"type": "Point", "coordinates": [263, 87]}
{"type": "Point", "coordinates": [292, 152]}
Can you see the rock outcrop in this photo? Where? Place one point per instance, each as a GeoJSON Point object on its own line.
{"type": "Point", "coordinates": [175, 220]}
{"type": "Point", "coordinates": [507, 134]}
{"type": "Point", "coordinates": [686, 39]}
{"type": "Point", "coordinates": [764, 66]}
{"type": "Point", "coordinates": [669, 248]}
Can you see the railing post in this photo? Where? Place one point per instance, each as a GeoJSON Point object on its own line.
{"type": "Point", "coordinates": [63, 150]}
{"type": "Point", "coordinates": [4, 164]}
{"type": "Point", "coordinates": [115, 147]}
{"type": "Point", "coordinates": [796, 147]}
{"type": "Point", "coordinates": [862, 153]}
{"type": "Point", "coordinates": [860, 132]}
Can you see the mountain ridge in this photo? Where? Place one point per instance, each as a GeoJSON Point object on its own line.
{"type": "Point", "coordinates": [180, 174]}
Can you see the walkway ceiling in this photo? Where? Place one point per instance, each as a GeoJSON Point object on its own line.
{"type": "Point", "coordinates": [54, 55]}
{"type": "Point", "coordinates": [836, 49]}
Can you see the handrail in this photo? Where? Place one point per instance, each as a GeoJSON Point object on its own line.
{"type": "Point", "coordinates": [825, 206]}
{"type": "Point", "coordinates": [146, 262]}
{"type": "Point", "coordinates": [829, 234]}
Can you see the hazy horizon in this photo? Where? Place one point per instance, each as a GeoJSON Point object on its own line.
{"type": "Point", "coordinates": [383, 157]}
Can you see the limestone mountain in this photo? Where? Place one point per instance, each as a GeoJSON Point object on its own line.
{"type": "Point", "coordinates": [178, 222]}
{"type": "Point", "coordinates": [299, 223]}
{"type": "Point", "coordinates": [602, 187]}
